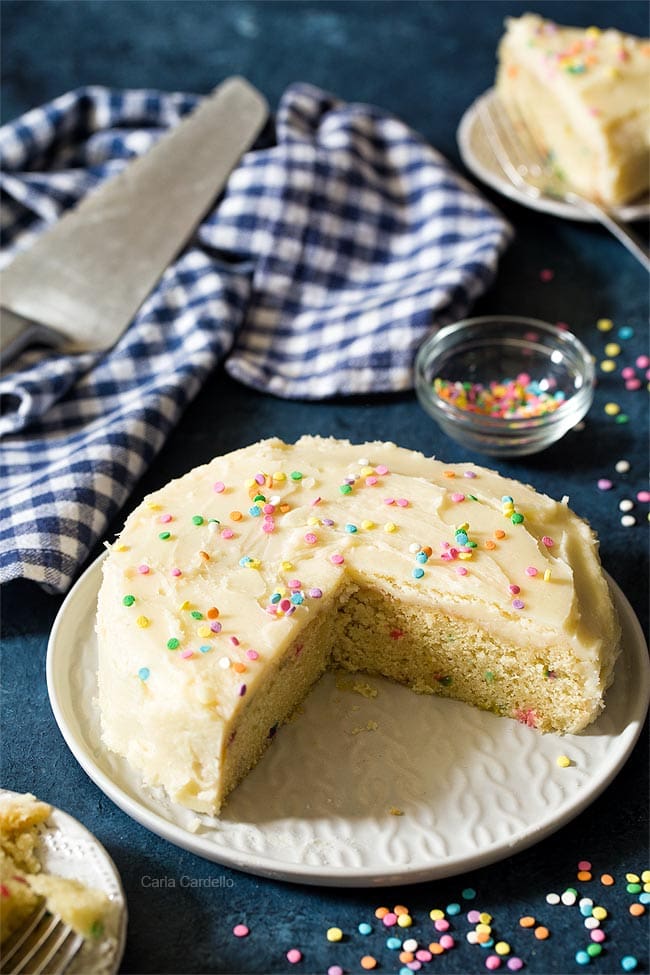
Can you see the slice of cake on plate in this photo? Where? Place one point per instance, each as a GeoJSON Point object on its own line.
{"type": "Point", "coordinates": [585, 97]}
{"type": "Point", "coordinates": [24, 884]}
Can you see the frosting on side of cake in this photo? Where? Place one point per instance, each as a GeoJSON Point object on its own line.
{"type": "Point", "coordinates": [253, 574]}
{"type": "Point", "coordinates": [585, 95]}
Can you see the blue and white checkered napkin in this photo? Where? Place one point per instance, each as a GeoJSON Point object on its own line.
{"type": "Point", "coordinates": [332, 253]}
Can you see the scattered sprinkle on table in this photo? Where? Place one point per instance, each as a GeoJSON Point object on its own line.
{"type": "Point", "coordinates": [629, 963]}
{"type": "Point", "coordinates": [415, 952]}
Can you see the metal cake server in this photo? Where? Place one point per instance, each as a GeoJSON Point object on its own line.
{"type": "Point", "coordinates": [80, 284]}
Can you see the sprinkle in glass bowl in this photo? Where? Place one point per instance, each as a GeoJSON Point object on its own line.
{"type": "Point", "coordinates": [503, 385]}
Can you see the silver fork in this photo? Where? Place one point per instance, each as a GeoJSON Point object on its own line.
{"type": "Point", "coordinates": [530, 171]}
{"type": "Point", "coordinates": [45, 944]}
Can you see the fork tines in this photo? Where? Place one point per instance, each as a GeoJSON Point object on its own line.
{"type": "Point", "coordinates": [45, 944]}
{"type": "Point", "coordinates": [514, 147]}
{"type": "Point", "coordinates": [533, 172]}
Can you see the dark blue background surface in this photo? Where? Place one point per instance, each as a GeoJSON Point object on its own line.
{"type": "Point", "coordinates": [426, 62]}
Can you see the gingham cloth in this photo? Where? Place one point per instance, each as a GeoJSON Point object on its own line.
{"type": "Point", "coordinates": [334, 250]}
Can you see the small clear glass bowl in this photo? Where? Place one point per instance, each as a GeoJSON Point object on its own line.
{"type": "Point", "coordinates": [503, 385]}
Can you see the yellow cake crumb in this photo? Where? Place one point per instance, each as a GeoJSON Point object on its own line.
{"type": "Point", "coordinates": [19, 819]}
{"type": "Point", "coordinates": [369, 726]}
{"type": "Point", "coordinates": [83, 908]}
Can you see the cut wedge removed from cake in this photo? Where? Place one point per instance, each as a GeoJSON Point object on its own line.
{"type": "Point", "coordinates": [585, 97]}
{"type": "Point", "coordinates": [234, 588]}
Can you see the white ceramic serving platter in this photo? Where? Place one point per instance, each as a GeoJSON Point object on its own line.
{"type": "Point", "coordinates": [479, 158]}
{"type": "Point", "coordinates": [371, 784]}
{"type": "Point", "coordinates": [68, 849]}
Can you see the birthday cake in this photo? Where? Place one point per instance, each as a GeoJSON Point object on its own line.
{"type": "Point", "coordinates": [232, 589]}
{"type": "Point", "coordinates": [584, 96]}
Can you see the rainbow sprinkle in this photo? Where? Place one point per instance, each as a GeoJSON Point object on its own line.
{"type": "Point", "coordinates": [520, 398]}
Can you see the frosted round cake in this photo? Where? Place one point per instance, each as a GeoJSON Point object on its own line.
{"type": "Point", "coordinates": [231, 590]}
{"type": "Point", "coordinates": [584, 95]}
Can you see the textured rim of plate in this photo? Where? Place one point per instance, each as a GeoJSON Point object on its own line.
{"type": "Point", "coordinates": [468, 132]}
{"type": "Point", "coordinates": [68, 825]}
{"type": "Point", "coordinates": [86, 588]}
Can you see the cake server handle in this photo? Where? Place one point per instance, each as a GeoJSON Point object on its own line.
{"type": "Point", "coordinates": [617, 227]}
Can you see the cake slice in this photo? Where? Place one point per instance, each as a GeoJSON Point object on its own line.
{"type": "Point", "coordinates": [20, 817]}
{"type": "Point", "coordinates": [24, 885]}
{"type": "Point", "coordinates": [585, 96]}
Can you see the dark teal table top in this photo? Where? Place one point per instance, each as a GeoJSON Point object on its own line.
{"type": "Point", "coordinates": [425, 61]}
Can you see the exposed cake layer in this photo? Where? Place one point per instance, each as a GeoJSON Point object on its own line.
{"type": "Point", "coordinates": [232, 589]}
{"type": "Point", "coordinates": [585, 96]}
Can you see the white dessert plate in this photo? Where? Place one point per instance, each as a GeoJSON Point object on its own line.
{"type": "Point", "coordinates": [371, 784]}
{"type": "Point", "coordinates": [479, 158]}
{"type": "Point", "coordinates": [68, 849]}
